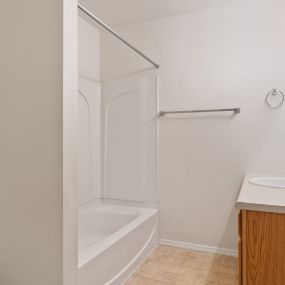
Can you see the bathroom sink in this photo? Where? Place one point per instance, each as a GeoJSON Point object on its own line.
{"type": "Point", "coordinates": [262, 192]}
{"type": "Point", "coordinates": [268, 181]}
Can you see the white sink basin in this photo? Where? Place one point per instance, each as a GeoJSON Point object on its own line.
{"type": "Point", "coordinates": [273, 182]}
{"type": "Point", "coordinates": [262, 192]}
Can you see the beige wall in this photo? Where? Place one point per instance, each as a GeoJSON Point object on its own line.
{"type": "Point", "coordinates": [225, 57]}
{"type": "Point", "coordinates": [31, 145]}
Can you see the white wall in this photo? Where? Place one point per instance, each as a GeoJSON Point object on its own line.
{"type": "Point", "coordinates": [70, 143]}
{"type": "Point", "coordinates": [224, 57]}
{"type": "Point", "coordinates": [118, 60]}
{"type": "Point", "coordinates": [89, 111]}
{"type": "Point", "coordinates": [33, 208]}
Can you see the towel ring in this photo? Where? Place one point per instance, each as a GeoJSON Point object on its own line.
{"type": "Point", "coordinates": [272, 94]}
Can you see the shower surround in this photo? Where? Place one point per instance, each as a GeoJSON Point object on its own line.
{"type": "Point", "coordinates": [117, 211]}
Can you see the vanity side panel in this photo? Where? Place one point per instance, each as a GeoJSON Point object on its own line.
{"type": "Point", "coordinates": [264, 249]}
{"type": "Point", "coordinates": [243, 248]}
{"type": "Point", "coordinates": [239, 272]}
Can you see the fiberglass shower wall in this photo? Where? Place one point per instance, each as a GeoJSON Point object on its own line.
{"type": "Point", "coordinates": [117, 119]}
{"type": "Point", "coordinates": [129, 126]}
{"type": "Point", "coordinates": [129, 110]}
{"type": "Point", "coordinates": [89, 101]}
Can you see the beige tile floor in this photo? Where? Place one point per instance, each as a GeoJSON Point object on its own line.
{"type": "Point", "coordinates": [175, 266]}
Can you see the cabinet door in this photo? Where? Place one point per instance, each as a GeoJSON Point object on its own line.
{"type": "Point", "coordinates": [264, 248]}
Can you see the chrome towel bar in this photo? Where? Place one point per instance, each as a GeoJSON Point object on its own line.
{"type": "Point", "coordinates": [235, 110]}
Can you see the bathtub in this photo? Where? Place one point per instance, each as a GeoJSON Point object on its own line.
{"type": "Point", "coordinates": [112, 241]}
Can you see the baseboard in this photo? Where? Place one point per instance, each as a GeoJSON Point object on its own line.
{"type": "Point", "coordinates": [199, 247]}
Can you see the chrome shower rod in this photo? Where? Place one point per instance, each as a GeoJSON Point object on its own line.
{"type": "Point", "coordinates": [106, 27]}
{"type": "Point", "coordinates": [235, 110]}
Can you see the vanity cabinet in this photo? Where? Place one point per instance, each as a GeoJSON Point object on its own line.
{"type": "Point", "coordinates": [261, 248]}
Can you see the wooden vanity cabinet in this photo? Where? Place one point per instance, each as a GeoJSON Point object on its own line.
{"type": "Point", "coordinates": [261, 248]}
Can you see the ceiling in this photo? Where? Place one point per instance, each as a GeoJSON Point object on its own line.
{"type": "Point", "coordinates": [122, 12]}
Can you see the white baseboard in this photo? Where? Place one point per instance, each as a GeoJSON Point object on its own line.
{"type": "Point", "coordinates": [199, 247]}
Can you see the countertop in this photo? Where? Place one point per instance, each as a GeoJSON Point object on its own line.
{"type": "Point", "coordinates": [260, 198]}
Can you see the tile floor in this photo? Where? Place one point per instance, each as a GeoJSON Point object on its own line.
{"type": "Point", "coordinates": [175, 266]}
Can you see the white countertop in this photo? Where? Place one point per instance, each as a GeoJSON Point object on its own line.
{"type": "Point", "coordinates": [260, 198]}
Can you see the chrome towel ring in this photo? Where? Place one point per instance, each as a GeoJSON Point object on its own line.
{"type": "Point", "coordinates": [275, 98]}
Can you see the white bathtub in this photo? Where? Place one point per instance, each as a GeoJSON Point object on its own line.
{"type": "Point", "coordinates": [113, 241]}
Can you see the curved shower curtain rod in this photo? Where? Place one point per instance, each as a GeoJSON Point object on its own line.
{"type": "Point", "coordinates": [102, 24]}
